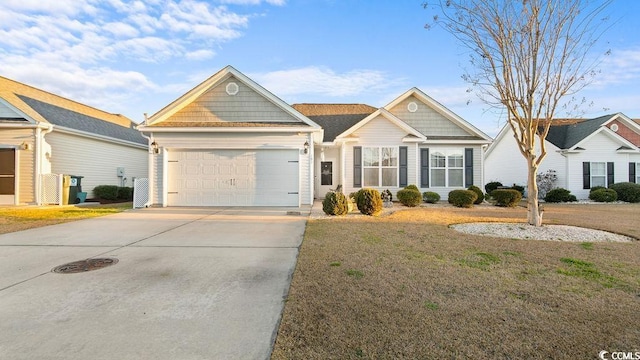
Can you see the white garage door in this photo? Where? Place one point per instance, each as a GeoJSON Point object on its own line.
{"type": "Point", "coordinates": [233, 178]}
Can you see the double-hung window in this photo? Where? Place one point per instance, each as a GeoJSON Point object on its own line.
{"type": "Point", "coordinates": [447, 170]}
{"type": "Point", "coordinates": [380, 166]}
{"type": "Point", "coordinates": [598, 174]}
{"type": "Point", "coordinates": [638, 173]}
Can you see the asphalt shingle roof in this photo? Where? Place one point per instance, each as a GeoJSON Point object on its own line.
{"type": "Point", "coordinates": [335, 118]}
{"type": "Point", "coordinates": [568, 135]}
{"type": "Point", "coordinates": [74, 120]}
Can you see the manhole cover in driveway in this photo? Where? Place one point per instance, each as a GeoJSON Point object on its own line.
{"type": "Point", "coordinates": [84, 265]}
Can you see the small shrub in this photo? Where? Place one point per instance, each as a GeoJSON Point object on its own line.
{"type": "Point", "coordinates": [478, 192]}
{"type": "Point", "coordinates": [506, 197]}
{"type": "Point", "coordinates": [596, 188]}
{"type": "Point", "coordinates": [412, 187]}
{"type": "Point", "coordinates": [462, 198]}
{"type": "Point", "coordinates": [431, 197]}
{"type": "Point", "coordinates": [106, 192]}
{"type": "Point", "coordinates": [410, 196]}
{"type": "Point", "coordinates": [369, 201]}
{"type": "Point", "coordinates": [335, 203]}
{"type": "Point", "coordinates": [125, 193]}
{"type": "Point", "coordinates": [559, 195]}
{"type": "Point", "coordinates": [603, 195]}
{"type": "Point", "coordinates": [519, 188]}
{"type": "Point", "coordinates": [489, 187]}
{"type": "Point", "coordinates": [546, 182]}
{"type": "Point", "coordinates": [627, 191]}
{"type": "Point", "coordinates": [356, 195]}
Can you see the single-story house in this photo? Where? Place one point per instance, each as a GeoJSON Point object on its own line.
{"type": "Point", "coordinates": [583, 152]}
{"type": "Point", "coordinates": [43, 133]}
{"type": "Point", "coordinates": [229, 141]}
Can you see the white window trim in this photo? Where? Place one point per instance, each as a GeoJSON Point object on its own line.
{"type": "Point", "coordinates": [446, 167]}
{"type": "Point", "coordinates": [638, 173]}
{"type": "Point", "coordinates": [592, 176]}
{"type": "Point", "coordinates": [380, 166]}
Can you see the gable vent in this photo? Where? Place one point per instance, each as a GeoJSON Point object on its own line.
{"type": "Point", "coordinates": [232, 88]}
{"type": "Point", "coordinates": [412, 107]}
{"type": "Point", "coordinates": [614, 127]}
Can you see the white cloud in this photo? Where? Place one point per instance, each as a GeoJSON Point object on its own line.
{"type": "Point", "coordinates": [254, 2]}
{"type": "Point", "coordinates": [202, 54]}
{"type": "Point", "coordinates": [621, 66]}
{"type": "Point", "coordinates": [323, 81]}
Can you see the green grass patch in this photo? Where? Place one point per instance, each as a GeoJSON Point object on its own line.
{"type": "Point", "coordinates": [480, 260]}
{"type": "Point", "coordinates": [335, 263]}
{"type": "Point", "coordinates": [53, 213]}
{"type": "Point", "coordinates": [355, 273]}
{"type": "Point", "coordinates": [431, 305]}
{"type": "Point", "coordinates": [371, 239]}
{"type": "Point", "coordinates": [588, 271]}
{"type": "Point", "coordinates": [586, 245]}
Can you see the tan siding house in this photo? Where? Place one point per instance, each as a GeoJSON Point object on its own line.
{"type": "Point", "coordinates": [42, 133]}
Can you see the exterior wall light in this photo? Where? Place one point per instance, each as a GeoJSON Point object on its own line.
{"type": "Point", "coordinates": [306, 147]}
{"type": "Point", "coordinates": [154, 147]}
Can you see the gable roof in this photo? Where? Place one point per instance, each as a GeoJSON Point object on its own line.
{"type": "Point", "coordinates": [38, 106]}
{"type": "Point", "coordinates": [335, 118]}
{"type": "Point", "coordinates": [567, 136]}
{"type": "Point", "coordinates": [448, 114]}
{"type": "Point", "coordinates": [192, 95]}
{"type": "Point", "coordinates": [389, 116]}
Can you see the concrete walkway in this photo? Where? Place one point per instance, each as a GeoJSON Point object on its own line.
{"type": "Point", "coordinates": [191, 283]}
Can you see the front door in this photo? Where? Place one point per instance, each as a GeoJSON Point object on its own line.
{"type": "Point", "coordinates": [7, 176]}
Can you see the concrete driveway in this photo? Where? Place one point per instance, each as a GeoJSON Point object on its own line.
{"type": "Point", "coordinates": [191, 283]}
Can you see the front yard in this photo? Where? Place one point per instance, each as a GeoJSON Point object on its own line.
{"type": "Point", "coordinates": [407, 286]}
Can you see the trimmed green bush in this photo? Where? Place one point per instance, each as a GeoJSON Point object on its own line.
{"type": "Point", "coordinates": [596, 188]}
{"type": "Point", "coordinates": [106, 192]}
{"type": "Point", "coordinates": [559, 195]}
{"type": "Point", "coordinates": [478, 192]}
{"type": "Point", "coordinates": [125, 193]}
{"type": "Point", "coordinates": [430, 197]}
{"type": "Point", "coordinates": [489, 187]}
{"type": "Point", "coordinates": [519, 188]}
{"type": "Point", "coordinates": [335, 203]}
{"type": "Point", "coordinates": [627, 191]}
{"type": "Point", "coordinates": [462, 198]}
{"type": "Point", "coordinates": [410, 196]}
{"type": "Point", "coordinates": [603, 195]}
{"type": "Point", "coordinates": [506, 197]}
{"type": "Point", "coordinates": [369, 201]}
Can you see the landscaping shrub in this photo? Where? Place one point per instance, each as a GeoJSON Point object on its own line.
{"type": "Point", "coordinates": [125, 193]}
{"type": "Point", "coordinates": [478, 192]}
{"type": "Point", "coordinates": [518, 188]}
{"type": "Point", "coordinates": [603, 195]}
{"type": "Point", "coordinates": [462, 198]}
{"type": "Point", "coordinates": [335, 203]}
{"type": "Point", "coordinates": [106, 192]}
{"type": "Point", "coordinates": [559, 195]}
{"type": "Point", "coordinates": [410, 196]}
{"type": "Point", "coordinates": [506, 197]}
{"type": "Point", "coordinates": [489, 187]}
{"type": "Point", "coordinates": [431, 197]}
{"type": "Point", "coordinates": [596, 188]}
{"type": "Point", "coordinates": [627, 191]}
{"type": "Point", "coordinates": [546, 181]}
{"type": "Point", "coordinates": [369, 201]}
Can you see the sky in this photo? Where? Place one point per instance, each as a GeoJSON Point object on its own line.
{"type": "Point", "coordinates": [135, 57]}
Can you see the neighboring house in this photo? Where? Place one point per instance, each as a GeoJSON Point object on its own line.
{"type": "Point", "coordinates": [583, 152]}
{"type": "Point", "coordinates": [42, 133]}
{"type": "Point", "coordinates": [229, 141]}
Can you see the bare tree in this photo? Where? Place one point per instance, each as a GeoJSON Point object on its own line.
{"type": "Point", "coordinates": [529, 57]}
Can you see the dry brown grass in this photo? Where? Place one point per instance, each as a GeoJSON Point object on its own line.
{"type": "Point", "coordinates": [407, 286]}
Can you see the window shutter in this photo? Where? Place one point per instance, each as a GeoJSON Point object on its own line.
{"type": "Point", "coordinates": [610, 176]}
{"type": "Point", "coordinates": [586, 175]}
{"type": "Point", "coordinates": [357, 166]}
{"type": "Point", "coordinates": [403, 166]}
{"type": "Point", "coordinates": [424, 168]}
{"type": "Point", "coordinates": [632, 172]}
{"type": "Point", "coordinates": [468, 167]}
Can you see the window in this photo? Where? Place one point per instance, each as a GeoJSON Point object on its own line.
{"type": "Point", "coordinates": [447, 171]}
{"type": "Point", "coordinates": [638, 173]}
{"type": "Point", "coordinates": [598, 174]}
{"type": "Point", "coordinates": [380, 166]}
{"type": "Point", "coordinates": [326, 173]}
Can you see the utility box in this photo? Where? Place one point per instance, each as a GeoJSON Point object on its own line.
{"type": "Point", "coordinates": [120, 172]}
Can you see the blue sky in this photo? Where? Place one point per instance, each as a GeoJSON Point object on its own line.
{"type": "Point", "coordinates": [133, 57]}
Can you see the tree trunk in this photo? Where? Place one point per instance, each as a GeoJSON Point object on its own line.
{"type": "Point", "coordinates": [534, 212]}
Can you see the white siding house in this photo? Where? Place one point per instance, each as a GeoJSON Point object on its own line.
{"type": "Point", "coordinates": [584, 154]}
{"type": "Point", "coordinates": [44, 133]}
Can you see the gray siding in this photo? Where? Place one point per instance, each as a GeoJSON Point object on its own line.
{"type": "Point", "coordinates": [246, 106]}
{"type": "Point", "coordinates": [426, 120]}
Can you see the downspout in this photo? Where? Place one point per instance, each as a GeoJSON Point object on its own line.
{"type": "Point", "coordinates": [38, 150]}
{"type": "Point", "coordinates": [483, 151]}
{"type": "Point", "coordinates": [150, 164]}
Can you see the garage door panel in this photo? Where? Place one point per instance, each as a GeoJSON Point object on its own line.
{"type": "Point", "coordinates": [234, 178]}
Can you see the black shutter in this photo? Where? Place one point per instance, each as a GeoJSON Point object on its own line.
{"type": "Point", "coordinates": [357, 166]}
{"type": "Point", "coordinates": [424, 168]}
{"type": "Point", "coordinates": [632, 172]}
{"type": "Point", "coordinates": [586, 175]}
{"type": "Point", "coordinates": [468, 167]}
{"type": "Point", "coordinates": [403, 166]}
{"type": "Point", "coordinates": [610, 177]}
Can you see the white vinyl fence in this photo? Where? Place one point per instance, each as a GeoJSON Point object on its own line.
{"type": "Point", "coordinates": [140, 193]}
{"type": "Point", "coordinates": [51, 189]}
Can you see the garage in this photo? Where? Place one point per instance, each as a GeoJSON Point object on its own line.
{"type": "Point", "coordinates": [222, 177]}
